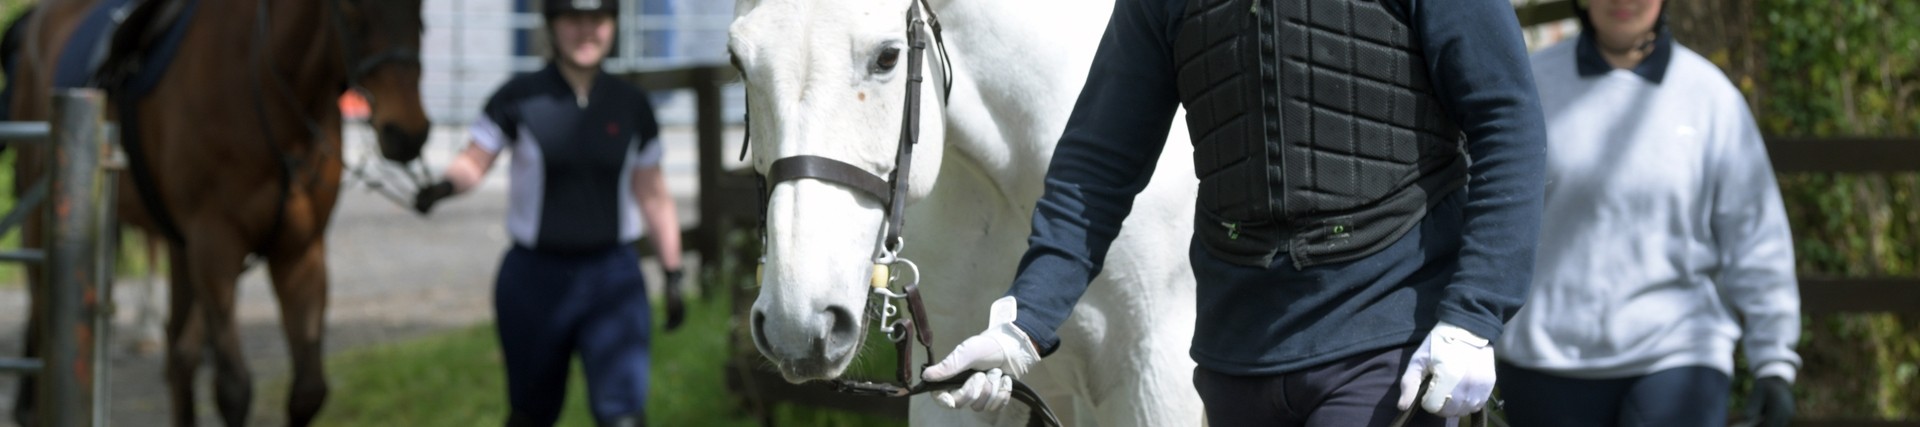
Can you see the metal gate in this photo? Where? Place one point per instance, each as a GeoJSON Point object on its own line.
{"type": "Point", "coordinates": [77, 220]}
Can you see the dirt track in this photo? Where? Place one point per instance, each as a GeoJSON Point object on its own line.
{"type": "Point", "coordinates": [394, 276]}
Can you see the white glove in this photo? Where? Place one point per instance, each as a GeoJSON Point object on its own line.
{"type": "Point", "coordinates": [1461, 364]}
{"type": "Point", "coordinates": [1002, 352]}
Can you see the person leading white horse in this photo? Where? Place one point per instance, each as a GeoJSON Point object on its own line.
{"type": "Point", "coordinates": [828, 78]}
{"type": "Point", "coordinates": [1370, 197]}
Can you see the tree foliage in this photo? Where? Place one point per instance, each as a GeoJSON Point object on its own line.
{"type": "Point", "coordinates": [1835, 68]}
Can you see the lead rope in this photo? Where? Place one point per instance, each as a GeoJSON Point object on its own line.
{"type": "Point", "coordinates": [1480, 418]}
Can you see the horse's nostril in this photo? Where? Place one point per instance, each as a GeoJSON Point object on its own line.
{"type": "Point", "coordinates": [843, 329]}
{"type": "Point", "coordinates": [760, 331]}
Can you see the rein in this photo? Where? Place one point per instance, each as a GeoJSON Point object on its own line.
{"type": "Point", "coordinates": [903, 331]}
{"type": "Point", "coordinates": [1480, 418]}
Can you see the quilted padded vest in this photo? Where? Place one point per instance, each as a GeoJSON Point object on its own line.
{"type": "Point", "coordinates": [1316, 132]}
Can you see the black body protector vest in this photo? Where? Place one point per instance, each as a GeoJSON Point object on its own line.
{"type": "Point", "coordinates": [1315, 128]}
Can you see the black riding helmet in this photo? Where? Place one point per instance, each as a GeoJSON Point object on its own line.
{"type": "Point", "coordinates": [553, 8]}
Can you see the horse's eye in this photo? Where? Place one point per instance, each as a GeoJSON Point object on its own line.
{"type": "Point", "coordinates": [887, 60]}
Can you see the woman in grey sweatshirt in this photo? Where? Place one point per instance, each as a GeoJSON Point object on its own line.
{"type": "Point", "coordinates": [1664, 242]}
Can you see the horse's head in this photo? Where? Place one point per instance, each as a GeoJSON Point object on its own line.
{"type": "Point", "coordinates": [381, 41]}
{"type": "Point", "coordinates": [829, 78]}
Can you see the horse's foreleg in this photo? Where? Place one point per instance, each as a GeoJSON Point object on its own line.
{"type": "Point", "coordinates": [24, 412]}
{"type": "Point", "coordinates": [186, 337]}
{"type": "Point", "coordinates": [147, 323]}
{"type": "Point", "coordinates": [217, 261]}
{"type": "Point", "coordinates": [300, 283]}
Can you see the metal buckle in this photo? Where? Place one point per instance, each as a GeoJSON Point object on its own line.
{"type": "Point", "coordinates": [886, 295]}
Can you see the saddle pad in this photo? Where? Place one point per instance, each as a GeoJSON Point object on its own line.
{"type": "Point", "coordinates": [87, 49]}
{"type": "Point", "coordinates": [84, 48]}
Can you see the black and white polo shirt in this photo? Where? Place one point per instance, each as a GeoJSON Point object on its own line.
{"type": "Point", "coordinates": [573, 162]}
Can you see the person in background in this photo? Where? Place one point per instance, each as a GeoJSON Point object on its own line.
{"type": "Point", "coordinates": [585, 182]}
{"type": "Point", "coordinates": [1368, 206]}
{"type": "Point", "coordinates": [1664, 243]}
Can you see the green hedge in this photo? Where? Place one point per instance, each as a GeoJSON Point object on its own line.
{"type": "Point", "coordinates": [1849, 68]}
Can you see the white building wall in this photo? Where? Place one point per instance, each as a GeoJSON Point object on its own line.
{"type": "Point", "coordinates": [465, 54]}
{"type": "Point", "coordinates": [467, 50]}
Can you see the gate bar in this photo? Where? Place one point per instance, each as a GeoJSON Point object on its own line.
{"type": "Point", "coordinates": [23, 205]}
{"type": "Point", "coordinates": [100, 306]}
{"type": "Point", "coordinates": [25, 131]}
{"type": "Point", "coordinates": [19, 365]}
{"type": "Point", "coordinates": [24, 256]}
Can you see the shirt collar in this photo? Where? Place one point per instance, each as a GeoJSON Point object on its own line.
{"type": "Point", "coordinates": [1653, 68]}
{"type": "Point", "coordinates": [552, 70]}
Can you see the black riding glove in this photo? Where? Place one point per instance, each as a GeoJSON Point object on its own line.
{"type": "Point", "coordinates": [1771, 404]}
{"type": "Point", "coordinates": [676, 307]}
{"type": "Point", "coordinates": [429, 195]}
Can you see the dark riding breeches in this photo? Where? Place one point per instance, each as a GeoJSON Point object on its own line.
{"type": "Point", "coordinates": [1689, 396]}
{"type": "Point", "coordinates": [1363, 390]}
{"type": "Point", "coordinates": [550, 305]}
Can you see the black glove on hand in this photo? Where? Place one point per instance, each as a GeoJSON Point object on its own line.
{"type": "Point", "coordinates": [1771, 404]}
{"type": "Point", "coordinates": [429, 195]}
{"type": "Point", "coordinates": [676, 307]}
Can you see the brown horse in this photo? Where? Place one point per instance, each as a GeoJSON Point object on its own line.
{"type": "Point", "coordinates": [238, 154]}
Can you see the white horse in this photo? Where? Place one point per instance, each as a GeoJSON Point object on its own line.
{"type": "Point", "coordinates": [828, 78]}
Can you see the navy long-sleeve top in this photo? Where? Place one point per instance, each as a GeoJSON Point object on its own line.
{"type": "Point", "coordinates": [1467, 263]}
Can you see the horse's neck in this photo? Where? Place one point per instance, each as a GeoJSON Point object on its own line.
{"type": "Point", "coordinates": [300, 43]}
{"type": "Point", "coordinates": [1018, 67]}
{"type": "Point", "coordinates": [307, 46]}
{"type": "Point", "coordinates": [304, 69]}
{"type": "Point", "coordinates": [1018, 72]}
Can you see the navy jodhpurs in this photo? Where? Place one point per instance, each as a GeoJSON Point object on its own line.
{"type": "Point", "coordinates": [1688, 396]}
{"type": "Point", "coordinates": [1362, 390]}
{"type": "Point", "coordinates": [548, 306]}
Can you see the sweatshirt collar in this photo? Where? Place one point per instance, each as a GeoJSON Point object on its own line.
{"type": "Point", "coordinates": [1653, 68]}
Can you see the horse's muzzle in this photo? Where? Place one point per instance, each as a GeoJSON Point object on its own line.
{"type": "Point", "coordinates": [827, 343]}
{"type": "Point", "coordinates": [400, 145]}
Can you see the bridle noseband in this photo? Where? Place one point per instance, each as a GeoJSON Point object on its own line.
{"type": "Point", "coordinates": [886, 281]}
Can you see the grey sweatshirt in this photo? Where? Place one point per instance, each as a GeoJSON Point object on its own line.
{"type": "Point", "coordinates": [1663, 232]}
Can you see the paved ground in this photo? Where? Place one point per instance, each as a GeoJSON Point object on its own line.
{"type": "Point", "coordinates": [395, 276]}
